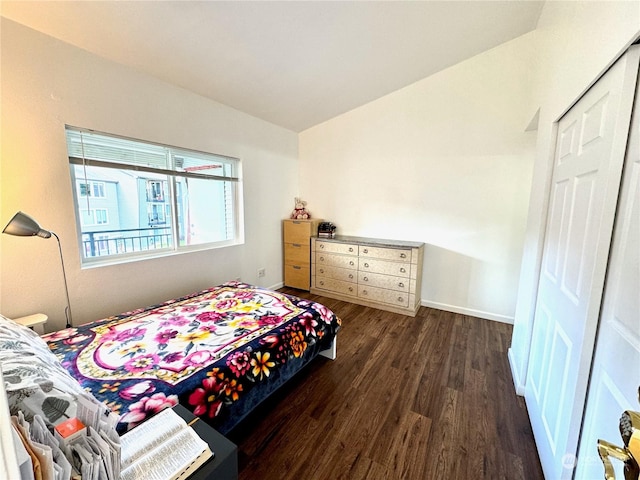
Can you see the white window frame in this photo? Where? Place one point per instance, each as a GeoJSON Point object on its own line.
{"type": "Point", "coordinates": [93, 187]}
{"type": "Point", "coordinates": [105, 216]}
{"type": "Point", "coordinates": [150, 190]}
{"type": "Point", "coordinates": [81, 154]}
{"type": "Point", "coordinates": [92, 214]}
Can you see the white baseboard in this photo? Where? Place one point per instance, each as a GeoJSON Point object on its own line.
{"type": "Point", "coordinates": [276, 286]}
{"type": "Point", "coordinates": [468, 311]}
{"type": "Point", "coordinates": [515, 374]}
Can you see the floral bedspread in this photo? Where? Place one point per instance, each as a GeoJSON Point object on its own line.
{"type": "Point", "coordinates": [218, 352]}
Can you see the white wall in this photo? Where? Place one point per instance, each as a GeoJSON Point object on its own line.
{"type": "Point", "coordinates": [445, 161]}
{"type": "Point", "coordinates": [575, 42]}
{"type": "Point", "coordinates": [47, 84]}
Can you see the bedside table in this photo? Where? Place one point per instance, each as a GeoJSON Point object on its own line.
{"type": "Point", "coordinates": [32, 321]}
{"type": "Point", "coordinates": [224, 464]}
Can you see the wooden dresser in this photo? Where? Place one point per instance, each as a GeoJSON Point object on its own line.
{"type": "Point", "coordinates": [385, 274]}
{"type": "Point", "coordinates": [297, 251]}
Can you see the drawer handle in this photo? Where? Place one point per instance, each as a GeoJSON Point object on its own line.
{"type": "Point", "coordinates": [322, 259]}
{"type": "Point", "coordinates": [351, 249]}
{"type": "Point", "coordinates": [366, 250]}
{"type": "Point", "coordinates": [351, 289]}
{"type": "Point", "coordinates": [401, 285]}
{"type": "Point", "coordinates": [366, 279]}
{"type": "Point", "coordinates": [296, 267]}
{"type": "Point", "coordinates": [321, 282]}
{"type": "Point", "coordinates": [297, 245]}
{"type": "Point", "coordinates": [400, 299]}
{"type": "Point", "coordinates": [296, 223]}
{"type": "Point", "coordinates": [351, 263]}
{"type": "Point", "coordinates": [403, 255]}
{"type": "Point", "coordinates": [322, 270]}
{"type": "Point", "coordinates": [322, 245]}
{"type": "Point", "coordinates": [366, 265]}
{"type": "Point", "coordinates": [351, 275]}
{"type": "Point", "coordinates": [402, 270]}
{"type": "Point", "coordinates": [364, 292]}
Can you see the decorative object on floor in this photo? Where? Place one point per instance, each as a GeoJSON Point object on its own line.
{"type": "Point", "coordinates": [300, 211]}
{"type": "Point", "coordinates": [22, 225]}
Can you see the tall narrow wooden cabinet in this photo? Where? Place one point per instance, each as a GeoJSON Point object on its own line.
{"type": "Point", "coordinates": [297, 251]}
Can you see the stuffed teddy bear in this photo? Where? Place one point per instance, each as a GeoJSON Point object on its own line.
{"type": "Point", "coordinates": [300, 212]}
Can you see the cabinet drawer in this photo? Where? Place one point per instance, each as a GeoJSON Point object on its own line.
{"type": "Point", "coordinates": [399, 299]}
{"type": "Point", "coordinates": [338, 286]}
{"type": "Point", "coordinates": [297, 253]}
{"type": "Point", "coordinates": [331, 260]}
{"type": "Point", "coordinates": [297, 277]}
{"type": "Point", "coordinates": [381, 266]}
{"type": "Point", "coordinates": [399, 284]}
{"type": "Point", "coordinates": [298, 231]}
{"type": "Point", "coordinates": [332, 247]}
{"type": "Point", "coordinates": [396, 254]}
{"type": "Point", "coordinates": [345, 274]}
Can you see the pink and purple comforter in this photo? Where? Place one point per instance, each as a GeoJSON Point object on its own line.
{"type": "Point", "coordinates": [218, 352]}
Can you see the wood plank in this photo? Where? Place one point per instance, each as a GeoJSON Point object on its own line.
{"type": "Point", "coordinates": [425, 397]}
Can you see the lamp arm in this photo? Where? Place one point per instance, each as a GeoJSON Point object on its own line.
{"type": "Point", "coordinates": [67, 310]}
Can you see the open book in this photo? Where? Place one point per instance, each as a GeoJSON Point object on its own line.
{"type": "Point", "coordinates": [162, 448]}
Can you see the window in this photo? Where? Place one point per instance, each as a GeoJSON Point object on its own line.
{"type": "Point", "coordinates": [155, 191]}
{"type": "Point", "coordinates": [94, 216]}
{"type": "Point", "coordinates": [136, 199]}
{"type": "Point", "coordinates": [101, 216]}
{"type": "Point", "coordinates": [92, 189]}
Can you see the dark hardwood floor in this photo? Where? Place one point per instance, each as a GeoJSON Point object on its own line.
{"type": "Point", "coordinates": [429, 397]}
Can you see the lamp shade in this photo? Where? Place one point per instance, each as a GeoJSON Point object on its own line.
{"type": "Point", "coordinates": [22, 225]}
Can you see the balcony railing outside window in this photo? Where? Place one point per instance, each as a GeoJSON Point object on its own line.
{"type": "Point", "coordinates": [113, 242]}
{"type": "Point", "coordinates": [155, 199]}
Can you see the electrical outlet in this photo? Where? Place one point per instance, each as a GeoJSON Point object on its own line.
{"type": "Point", "coordinates": [262, 272]}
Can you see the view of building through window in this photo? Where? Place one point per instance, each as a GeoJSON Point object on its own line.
{"type": "Point", "coordinates": [137, 199]}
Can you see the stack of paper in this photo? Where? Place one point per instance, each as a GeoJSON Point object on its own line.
{"type": "Point", "coordinates": [91, 453]}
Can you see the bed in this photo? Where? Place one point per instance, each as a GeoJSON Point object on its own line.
{"type": "Point", "coordinates": [218, 352]}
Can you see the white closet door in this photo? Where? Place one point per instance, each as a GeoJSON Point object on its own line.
{"type": "Point", "coordinates": [616, 368]}
{"type": "Point", "coordinates": [588, 160]}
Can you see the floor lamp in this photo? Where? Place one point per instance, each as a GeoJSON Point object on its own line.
{"type": "Point", "coordinates": [22, 225]}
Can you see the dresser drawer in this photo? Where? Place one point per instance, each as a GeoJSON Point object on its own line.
{"type": "Point", "coordinates": [298, 231]}
{"type": "Point", "coordinates": [337, 286]}
{"type": "Point", "coordinates": [297, 253]}
{"type": "Point", "coordinates": [345, 274]}
{"type": "Point", "coordinates": [385, 274]}
{"type": "Point", "coordinates": [381, 266]}
{"type": "Point", "coordinates": [396, 254]}
{"type": "Point", "coordinates": [331, 260]}
{"type": "Point", "coordinates": [297, 276]}
{"type": "Point", "coordinates": [399, 284]}
{"type": "Point", "coordinates": [331, 247]}
{"type": "Point", "coordinates": [399, 299]}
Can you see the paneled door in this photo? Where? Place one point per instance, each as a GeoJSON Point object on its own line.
{"type": "Point", "coordinates": [616, 368]}
{"type": "Point", "coordinates": [589, 154]}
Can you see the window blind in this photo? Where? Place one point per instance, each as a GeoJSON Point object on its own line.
{"type": "Point", "coordinates": [88, 148]}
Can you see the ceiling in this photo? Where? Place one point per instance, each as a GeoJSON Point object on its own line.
{"type": "Point", "coordinates": [293, 63]}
